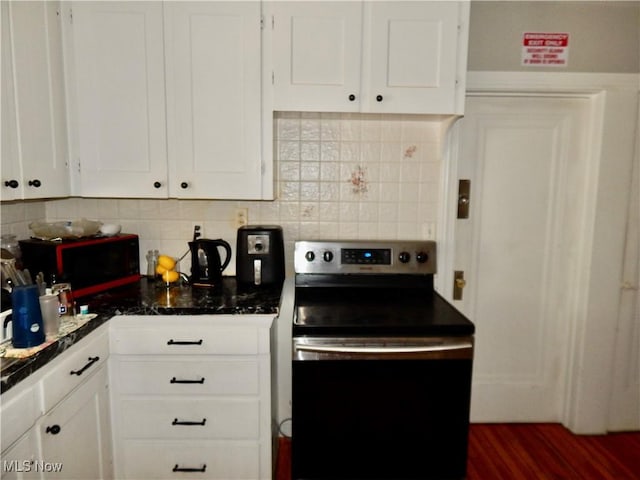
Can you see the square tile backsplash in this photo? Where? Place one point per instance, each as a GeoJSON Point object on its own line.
{"type": "Point", "coordinates": [339, 176]}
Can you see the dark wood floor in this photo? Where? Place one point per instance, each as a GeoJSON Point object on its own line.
{"type": "Point", "coordinates": [536, 452]}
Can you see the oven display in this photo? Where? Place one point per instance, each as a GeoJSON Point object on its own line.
{"type": "Point", "coordinates": [366, 256]}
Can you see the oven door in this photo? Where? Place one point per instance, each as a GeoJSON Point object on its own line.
{"type": "Point", "coordinates": [380, 408]}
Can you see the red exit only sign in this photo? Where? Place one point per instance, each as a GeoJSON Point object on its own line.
{"type": "Point", "coordinates": [545, 49]}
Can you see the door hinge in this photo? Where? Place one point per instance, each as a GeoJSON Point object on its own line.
{"type": "Point", "coordinates": [71, 16]}
{"type": "Point", "coordinates": [261, 22]}
{"type": "Point", "coordinates": [458, 284]}
{"type": "Point", "coordinates": [464, 198]}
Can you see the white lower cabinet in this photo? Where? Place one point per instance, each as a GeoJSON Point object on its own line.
{"type": "Point", "coordinates": [189, 418]}
{"type": "Point", "coordinates": [147, 398]}
{"type": "Point", "coordinates": [56, 423]}
{"type": "Point", "coordinates": [76, 434]}
{"type": "Point", "coordinates": [191, 397]}
{"type": "Point", "coordinates": [190, 459]}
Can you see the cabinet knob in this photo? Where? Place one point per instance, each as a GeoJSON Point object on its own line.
{"type": "Point", "coordinates": [35, 183]}
{"type": "Point", "coordinates": [352, 97]}
{"type": "Point", "coordinates": [53, 429]}
{"type": "Point", "coordinates": [184, 185]}
{"type": "Point", "coordinates": [379, 98]}
{"type": "Point", "coordinates": [157, 184]}
{"type": "Point", "coordinates": [11, 184]}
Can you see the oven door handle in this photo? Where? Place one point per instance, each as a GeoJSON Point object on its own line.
{"type": "Point", "coordinates": [463, 349]}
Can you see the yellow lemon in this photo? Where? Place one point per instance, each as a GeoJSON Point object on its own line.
{"type": "Point", "coordinates": [160, 269]}
{"type": "Point", "coordinates": [170, 276]}
{"type": "Point", "coordinates": [167, 262]}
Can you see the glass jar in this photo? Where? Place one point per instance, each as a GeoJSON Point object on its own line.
{"type": "Point", "coordinates": [9, 242]}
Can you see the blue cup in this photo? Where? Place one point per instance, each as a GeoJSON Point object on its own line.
{"type": "Point", "coordinates": [28, 328]}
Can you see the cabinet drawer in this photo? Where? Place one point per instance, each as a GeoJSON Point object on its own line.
{"type": "Point", "coordinates": [188, 376]}
{"type": "Point", "coordinates": [186, 340]}
{"type": "Point", "coordinates": [210, 460]}
{"type": "Point", "coordinates": [74, 366]}
{"type": "Point", "coordinates": [187, 418]}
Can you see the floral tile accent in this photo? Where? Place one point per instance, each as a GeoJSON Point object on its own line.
{"type": "Point", "coordinates": [358, 180]}
{"type": "Point", "coordinates": [408, 153]}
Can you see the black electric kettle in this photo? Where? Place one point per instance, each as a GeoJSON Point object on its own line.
{"type": "Point", "coordinates": [206, 265]}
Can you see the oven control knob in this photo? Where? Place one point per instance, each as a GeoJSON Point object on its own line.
{"type": "Point", "coordinates": [328, 256]}
{"type": "Point", "coordinates": [404, 257]}
{"type": "Point", "coordinates": [310, 256]}
{"type": "Point", "coordinates": [422, 257]}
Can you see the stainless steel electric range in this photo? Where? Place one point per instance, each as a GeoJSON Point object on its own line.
{"type": "Point", "coordinates": [381, 367]}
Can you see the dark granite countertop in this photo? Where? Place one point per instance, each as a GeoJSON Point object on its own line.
{"type": "Point", "coordinates": [149, 298]}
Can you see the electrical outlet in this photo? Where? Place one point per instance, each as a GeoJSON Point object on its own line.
{"type": "Point", "coordinates": [242, 217]}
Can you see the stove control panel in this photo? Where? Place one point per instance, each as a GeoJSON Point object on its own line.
{"type": "Point", "coordinates": [358, 256]}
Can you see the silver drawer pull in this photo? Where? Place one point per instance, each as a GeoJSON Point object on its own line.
{"type": "Point", "coordinates": [175, 380]}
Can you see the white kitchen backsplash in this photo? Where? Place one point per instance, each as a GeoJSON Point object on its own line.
{"type": "Point", "coordinates": [339, 176]}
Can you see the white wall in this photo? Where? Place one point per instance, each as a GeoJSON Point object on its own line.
{"type": "Point", "coordinates": [604, 36]}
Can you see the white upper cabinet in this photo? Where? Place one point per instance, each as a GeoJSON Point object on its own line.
{"type": "Point", "coordinates": [168, 100]}
{"type": "Point", "coordinates": [317, 55]}
{"type": "Point", "coordinates": [118, 82]}
{"type": "Point", "coordinates": [213, 60]}
{"type": "Point", "coordinates": [34, 134]}
{"type": "Point", "coordinates": [387, 57]}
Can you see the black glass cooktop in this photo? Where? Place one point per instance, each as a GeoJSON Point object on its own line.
{"type": "Point", "coordinates": [376, 311]}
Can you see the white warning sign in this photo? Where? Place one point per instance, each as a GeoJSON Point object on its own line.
{"type": "Point", "coordinates": [545, 49]}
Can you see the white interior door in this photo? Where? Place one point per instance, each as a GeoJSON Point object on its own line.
{"type": "Point", "coordinates": [525, 159]}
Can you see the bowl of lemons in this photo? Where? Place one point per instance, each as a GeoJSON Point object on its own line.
{"type": "Point", "coordinates": [168, 269]}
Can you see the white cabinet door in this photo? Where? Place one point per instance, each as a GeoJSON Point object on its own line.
{"type": "Point", "coordinates": [19, 461]}
{"type": "Point", "coordinates": [414, 51]}
{"type": "Point", "coordinates": [34, 158]}
{"type": "Point", "coordinates": [77, 432]}
{"type": "Point", "coordinates": [213, 61]}
{"type": "Point", "coordinates": [390, 57]}
{"type": "Point", "coordinates": [118, 74]}
{"type": "Point", "coordinates": [10, 188]}
{"type": "Point", "coordinates": [317, 50]}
